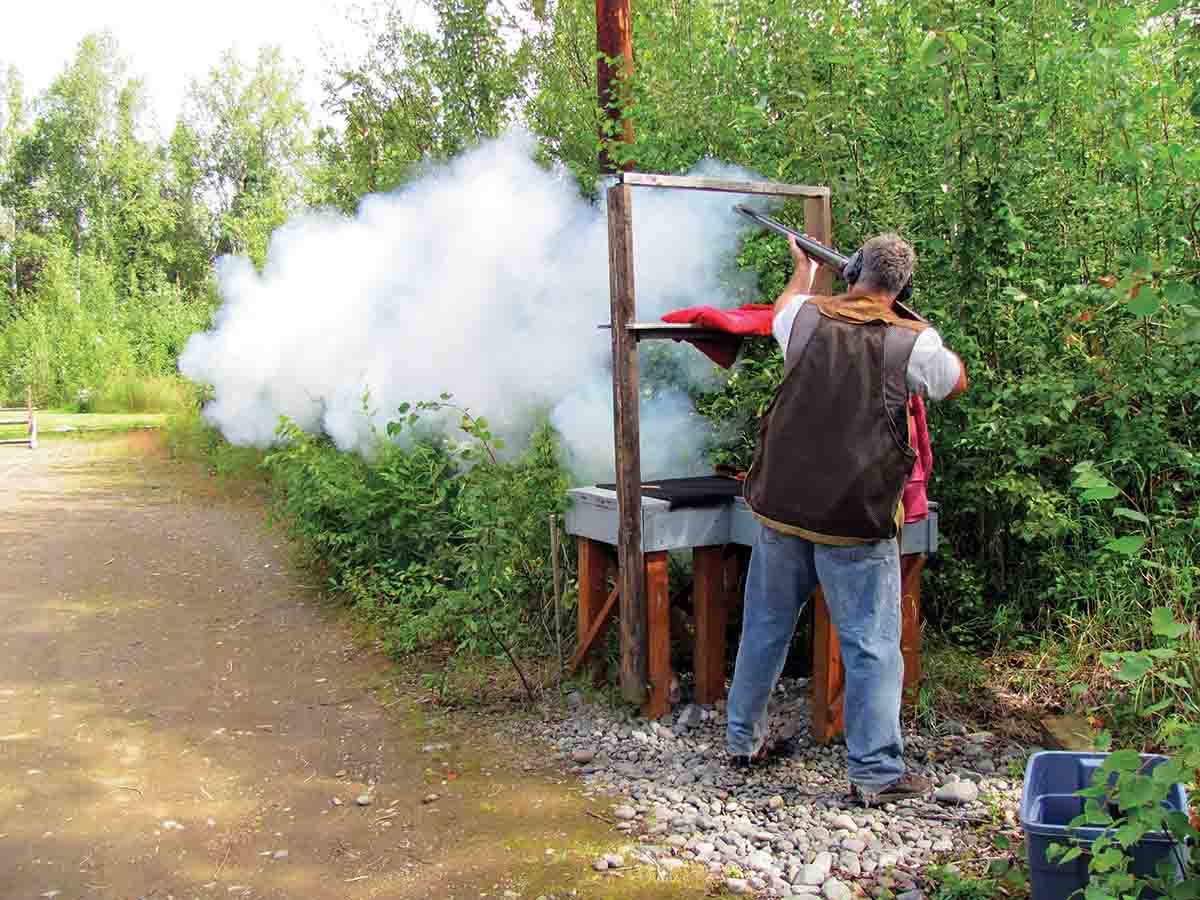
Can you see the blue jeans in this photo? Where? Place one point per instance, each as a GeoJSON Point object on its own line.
{"type": "Point", "coordinates": [862, 590]}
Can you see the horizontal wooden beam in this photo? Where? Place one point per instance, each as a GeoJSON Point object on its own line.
{"type": "Point", "coordinates": [727, 185]}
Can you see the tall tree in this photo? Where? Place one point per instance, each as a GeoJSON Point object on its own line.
{"type": "Point", "coordinates": [418, 93]}
{"type": "Point", "coordinates": [245, 135]}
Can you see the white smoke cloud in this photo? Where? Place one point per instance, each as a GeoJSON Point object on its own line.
{"type": "Point", "coordinates": [486, 278]}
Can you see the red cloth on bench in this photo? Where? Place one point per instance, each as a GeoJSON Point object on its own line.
{"type": "Point", "coordinates": [755, 319]}
{"type": "Point", "coordinates": [751, 319]}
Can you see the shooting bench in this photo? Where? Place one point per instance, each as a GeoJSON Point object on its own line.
{"type": "Point", "coordinates": [17, 415]}
{"type": "Point", "coordinates": [627, 537]}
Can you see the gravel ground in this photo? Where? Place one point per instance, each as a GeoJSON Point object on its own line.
{"type": "Point", "coordinates": [785, 830]}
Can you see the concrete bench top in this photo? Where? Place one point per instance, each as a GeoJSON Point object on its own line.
{"type": "Point", "coordinates": [593, 514]}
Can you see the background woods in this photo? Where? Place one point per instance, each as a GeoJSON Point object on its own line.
{"type": "Point", "coordinates": [1043, 157]}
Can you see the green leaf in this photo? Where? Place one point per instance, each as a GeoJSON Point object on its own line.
{"type": "Point", "coordinates": [1126, 513]}
{"type": "Point", "coordinates": [1162, 619]}
{"type": "Point", "coordinates": [1128, 545]}
{"type": "Point", "coordinates": [1073, 853]}
{"type": "Point", "coordinates": [1100, 493]}
{"type": "Point", "coordinates": [957, 41]}
{"type": "Point", "coordinates": [930, 49]}
{"type": "Point", "coordinates": [1123, 761]}
{"type": "Point", "coordinates": [1146, 303]}
{"type": "Point", "coordinates": [1155, 708]}
{"type": "Point", "coordinates": [1179, 293]}
{"type": "Point", "coordinates": [1135, 667]}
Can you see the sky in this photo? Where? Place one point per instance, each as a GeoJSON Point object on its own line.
{"type": "Point", "coordinates": [168, 43]}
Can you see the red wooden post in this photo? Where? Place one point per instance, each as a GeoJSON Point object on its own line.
{"type": "Point", "coordinates": [614, 68]}
{"type": "Point", "coordinates": [658, 614]}
{"type": "Point", "coordinates": [910, 618]}
{"type": "Point", "coordinates": [711, 596]}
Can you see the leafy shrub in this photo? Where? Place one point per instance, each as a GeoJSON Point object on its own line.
{"type": "Point", "coordinates": [431, 541]}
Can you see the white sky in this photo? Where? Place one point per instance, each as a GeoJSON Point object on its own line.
{"type": "Point", "coordinates": [168, 42]}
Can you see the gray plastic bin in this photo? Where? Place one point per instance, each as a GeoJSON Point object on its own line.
{"type": "Point", "coordinates": [1048, 805]}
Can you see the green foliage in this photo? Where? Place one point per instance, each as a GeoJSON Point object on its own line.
{"type": "Point", "coordinates": [1127, 803]}
{"type": "Point", "coordinates": [433, 540]}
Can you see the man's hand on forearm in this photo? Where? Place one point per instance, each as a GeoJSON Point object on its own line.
{"type": "Point", "coordinates": [802, 278]}
{"type": "Point", "coordinates": [961, 387]}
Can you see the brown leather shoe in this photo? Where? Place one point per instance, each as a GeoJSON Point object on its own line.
{"type": "Point", "coordinates": [907, 787]}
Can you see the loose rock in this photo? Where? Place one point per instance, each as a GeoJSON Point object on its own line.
{"type": "Point", "coordinates": [957, 792]}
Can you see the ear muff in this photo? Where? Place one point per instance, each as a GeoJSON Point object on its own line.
{"type": "Point", "coordinates": [854, 268]}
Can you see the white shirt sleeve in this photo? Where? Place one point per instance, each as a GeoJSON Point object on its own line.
{"type": "Point", "coordinates": [781, 325]}
{"type": "Point", "coordinates": [933, 371]}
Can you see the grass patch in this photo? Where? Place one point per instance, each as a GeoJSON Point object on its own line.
{"type": "Point", "coordinates": [138, 394]}
{"type": "Point", "coordinates": [191, 439]}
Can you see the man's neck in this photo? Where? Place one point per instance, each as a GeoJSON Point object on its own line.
{"type": "Point", "coordinates": [871, 292]}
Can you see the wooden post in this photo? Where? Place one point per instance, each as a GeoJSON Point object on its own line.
{"type": "Point", "coordinates": [658, 613]}
{"type": "Point", "coordinates": [593, 586]}
{"type": "Point", "coordinates": [829, 676]}
{"type": "Point", "coordinates": [910, 619]}
{"type": "Point", "coordinates": [818, 224]}
{"type": "Point", "coordinates": [614, 68]}
{"type": "Point", "coordinates": [711, 594]}
{"type": "Point", "coordinates": [627, 445]}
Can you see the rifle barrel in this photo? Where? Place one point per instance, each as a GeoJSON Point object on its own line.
{"type": "Point", "coordinates": [827, 255]}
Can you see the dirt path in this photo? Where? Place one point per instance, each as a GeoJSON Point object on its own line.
{"type": "Point", "coordinates": [180, 718]}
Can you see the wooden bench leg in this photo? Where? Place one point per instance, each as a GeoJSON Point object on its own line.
{"type": "Point", "coordinates": [911, 567]}
{"type": "Point", "coordinates": [658, 632]}
{"type": "Point", "coordinates": [595, 560]}
{"type": "Point", "coordinates": [711, 593]}
{"type": "Point", "coordinates": [829, 676]}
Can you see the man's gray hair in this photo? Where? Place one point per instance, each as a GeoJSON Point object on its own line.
{"type": "Point", "coordinates": [887, 262]}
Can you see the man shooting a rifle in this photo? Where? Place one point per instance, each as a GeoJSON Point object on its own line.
{"type": "Point", "coordinates": [832, 460]}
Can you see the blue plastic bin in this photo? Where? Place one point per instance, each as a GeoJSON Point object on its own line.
{"type": "Point", "coordinates": [1048, 804]}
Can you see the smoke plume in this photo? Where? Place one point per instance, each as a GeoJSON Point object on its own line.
{"type": "Point", "coordinates": [485, 278]}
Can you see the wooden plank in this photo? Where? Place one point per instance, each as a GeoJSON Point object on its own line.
{"type": "Point", "coordinates": [726, 185]}
{"type": "Point", "coordinates": [658, 615]}
{"type": "Point", "coordinates": [594, 631]}
{"type": "Point", "coordinates": [818, 224]}
{"type": "Point", "coordinates": [829, 677]}
{"type": "Point", "coordinates": [627, 446]}
{"type": "Point", "coordinates": [910, 623]}
{"type": "Point", "coordinates": [711, 599]}
{"type": "Point", "coordinates": [614, 69]}
{"type": "Point", "coordinates": [594, 563]}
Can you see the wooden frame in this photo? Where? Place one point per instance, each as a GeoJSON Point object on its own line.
{"type": "Point", "coordinates": [29, 421]}
{"type": "Point", "coordinates": [645, 670]}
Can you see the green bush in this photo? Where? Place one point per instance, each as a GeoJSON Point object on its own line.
{"type": "Point", "coordinates": [431, 542]}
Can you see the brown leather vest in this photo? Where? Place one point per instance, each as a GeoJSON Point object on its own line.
{"type": "Point", "coordinates": [833, 451]}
